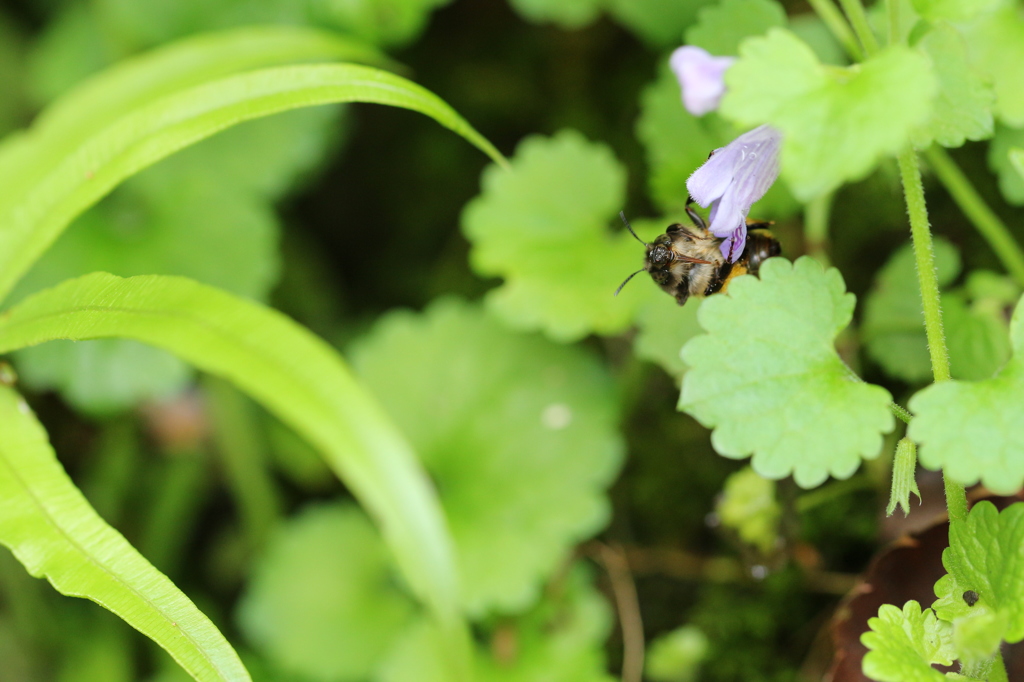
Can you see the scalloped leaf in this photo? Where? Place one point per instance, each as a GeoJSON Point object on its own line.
{"type": "Point", "coordinates": [52, 530]}
{"type": "Point", "coordinates": [903, 644]}
{"type": "Point", "coordinates": [837, 123]}
{"type": "Point", "coordinates": [996, 44]}
{"type": "Point", "coordinates": [34, 212]}
{"type": "Point", "coordinates": [294, 375]}
{"type": "Point", "coordinates": [767, 378]}
{"type": "Point", "coordinates": [545, 228]}
{"type": "Point", "coordinates": [985, 555]}
{"type": "Point", "coordinates": [974, 430]}
{"type": "Point", "coordinates": [523, 430]}
{"type": "Point", "coordinates": [321, 602]}
{"type": "Point", "coordinates": [721, 28]}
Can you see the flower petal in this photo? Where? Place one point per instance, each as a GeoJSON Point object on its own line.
{"type": "Point", "coordinates": [701, 77]}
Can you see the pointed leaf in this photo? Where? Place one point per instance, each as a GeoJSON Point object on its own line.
{"type": "Point", "coordinates": [292, 373]}
{"type": "Point", "coordinates": [53, 531]}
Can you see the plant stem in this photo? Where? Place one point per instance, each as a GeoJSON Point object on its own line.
{"type": "Point", "coordinates": [859, 20]}
{"type": "Point", "coordinates": [977, 211]}
{"type": "Point", "coordinates": [816, 216]}
{"type": "Point", "coordinates": [836, 23]}
{"type": "Point", "coordinates": [913, 190]}
{"type": "Point", "coordinates": [901, 413]}
{"type": "Point", "coordinates": [893, 7]}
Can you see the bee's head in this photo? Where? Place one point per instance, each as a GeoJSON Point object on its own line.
{"type": "Point", "coordinates": [659, 253]}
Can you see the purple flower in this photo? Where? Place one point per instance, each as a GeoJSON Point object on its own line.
{"type": "Point", "coordinates": [736, 176]}
{"type": "Point", "coordinates": [701, 77]}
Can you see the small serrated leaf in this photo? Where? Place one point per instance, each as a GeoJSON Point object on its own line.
{"type": "Point", "coordinates": [974, 430]}
{"type": "Point", "coordinates": [904, 643]}
{"type": "Point", "coordinates": [836, 122]}
{"type": "Point", "coordinates": [767, 377]}
{"type": "Point", "coordinates": [545, 226]}
{"type": "Point", "coordinates": [963, 107]}
{"type": "Point", "coordinates": [985, 556]}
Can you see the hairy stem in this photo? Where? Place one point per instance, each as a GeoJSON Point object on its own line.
{"type": "Point", "coordinates": [913, 190]}
{"type": "Point", "coordinates": [977, 211]}
{"type": "Point", "coordinates": [859, 20]}
{"type": "Point", "coordinates": [836, 23]}
{"type": "Point", "coordinates": [901, 413]}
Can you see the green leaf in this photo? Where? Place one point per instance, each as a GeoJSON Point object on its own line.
{"type": "Point", "coordinates": [893, 325]}
{"type": "Point", "coordinates": [952, 10]}
{"type": "Point", "coordinates": [34, 214]}
{"type": "Point", "coordinates": [545, 228]}
{"type": "Point", "coordinates": [973, 430]}
{"type": "Point", "coordinates": [560, 640]}
{"type": "Point", "coordinates": [676, 143]}
{"type": "Point", "coordinates": [836, 122]}
{"type": "Point", "coordinates": [54, 532]}
{"type": "Point", "coordinates": [1001, 161]}
{"type": "Point", "coordinates": [985, 555]}
{"type": "Point", "coordinates": [721, 28]}
{"type": "Point", "coordinates": [996, 44]}
{"type": "Point", "coordinates": [676, 656]}
{"type": "Point", "coordinates": [663, 329]}
{"type": "Point", "coordinates": [525, 429]}
{"type": "Point", "coordinates": [747, 505]}
{"type": "Point", "coordinates": [903, 645]}
{"type": "Point", "coordinates": [568, 14]}
{"type": "Point", "coordinates": [293, 374]}
{"type": "Point", "coordinates": [321, 602]}
{"type": "Point", "coordinates": [768, 379]}
{"type": "Point", "coordinates": [658, 22]}
{"type": "Point", "coordinates": [976, 336]}
{"type": "Point", "coordinates": [963, 107]}
{"type": "Point", "coordinates": [13, 106]}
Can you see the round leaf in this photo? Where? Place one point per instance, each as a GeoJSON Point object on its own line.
{"type": "Point", "coordinates": [767, 377]}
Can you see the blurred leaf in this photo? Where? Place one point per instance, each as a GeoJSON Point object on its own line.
{"type": "Point", "coordinates": [973, 429]}
{"type": "Point", "coordinates": [33, 215]}
{"type": "Point", "coordinates": [748, 506]}
{"type": "Point", "coordinates": [893, 325]}
{"type": "Point", "coordinates": [13, 107]}
{"type": "Point", "coordinates": [952, 10]}
{"type": "Point", "coordinates": [768, 379]}
{"type": "Point", "coordinates": [809, 28]}
{"type": "Point", "coordinates": [320, 601]}
{"type": "Point", "coordinates": [663, 330]}
{"type": "Point", "coordinates": [837, 123]}
{"type": "Point", "coordinates": [977, 338]}
{"type": "Point", "coordinates": [1000, 160]}
{"type": "Point", "coordinates": [984, 555]}
{"type": "Point", "coordinates": [963, 107]}
{"type": "Point", "coordinates": [996, 44]}
{"type": "Point", "coordinates": [658, 22]}
{"type": "Point", "coordinates": [560, 640]}
{"type": "Point", "coordinates": [294, 374]}
{"type": "Point", "coordinates": [904, 644]}
{"type": "Point", "coordinates": [54, 532]}
{"type": "Point", "coordinates": [568, 14]}
{"type": "Point", "coordinates": [676, 656]}
{"type": "Point", "coordinates": [522, 440]}
{"type": "Point", "coordinates": [676, 143]}
{"type": "Point", "coordinates": [102, 651]}
{"type": "Point", "coordinates": [544, 227]}
{"type": "Point", "coordinates": [721, 28]}
{"type": "Point", "coordinates": [383, 22]}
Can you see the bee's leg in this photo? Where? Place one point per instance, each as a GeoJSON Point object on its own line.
{"type": "Point", "coordinates": [694, 216]}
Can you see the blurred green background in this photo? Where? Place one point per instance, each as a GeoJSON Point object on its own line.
{"type": "Point", "coordinates": [554, 460]}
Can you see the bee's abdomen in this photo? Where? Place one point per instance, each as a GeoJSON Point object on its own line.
{"type": "Point", "coordinates": [761, 245]}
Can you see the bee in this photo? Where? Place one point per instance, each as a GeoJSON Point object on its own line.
{"type": "Point", "coordinates": [686, 261]}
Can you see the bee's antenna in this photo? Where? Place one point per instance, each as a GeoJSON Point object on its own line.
{"type": "Point", "coordinates": [622, 214]}
{"type": "Point", "coordinates": [628, 278]}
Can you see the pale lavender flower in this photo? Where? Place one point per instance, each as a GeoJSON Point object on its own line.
{"type": "Point", "coordinates": [701, 77]}
{"type": "Point", "coordinates": [732, 179]}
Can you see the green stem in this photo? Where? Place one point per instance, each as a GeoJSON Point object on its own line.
{"type": "Point", "coordinates": [816, 216]}
{"type": "Point", "coordinates": [913, 190]}
{"type": "Point", "coordinates": [998, 672]}
{"type": "Point", "coordinates": [902, 413]}
{"type": "Point", "coordinates": [836, 23]}
{"type": "Point", "coordinates": [859, 20]}
{"type": "Point", "coordinates": [893, 7]}
{"type": "Point", "coordinates": [977, 211]}
{"type": "Point", "coordinates": [832, 491]}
